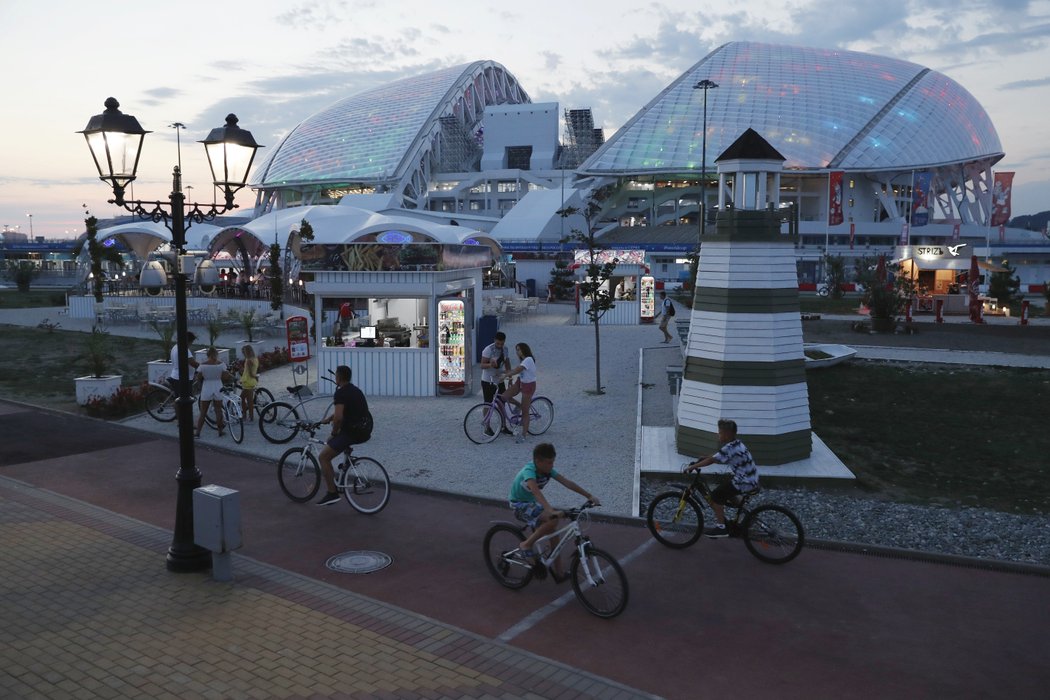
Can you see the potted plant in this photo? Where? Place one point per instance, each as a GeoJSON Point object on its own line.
{"type": "Point", "coordinates": [248, 320]}
{"type": "Point", "coordinates": [98, 357]}
{"type": "Point", "coordinates": [215, 328]}
{"type": "Point", "coordinates": [158, 370]}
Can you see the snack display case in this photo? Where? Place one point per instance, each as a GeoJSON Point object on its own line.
{"type": "Point", "coordinates": [647, 297]}
{"type": "Point", "coordinates": [453, 367]}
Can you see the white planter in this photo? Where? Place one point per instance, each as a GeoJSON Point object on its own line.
{"type": "Point", "coordinates": [157, 371]}
{"type": "Point", "coordinates": [202, 355]}
{"type": "Point", "coordinates": [96, 387]}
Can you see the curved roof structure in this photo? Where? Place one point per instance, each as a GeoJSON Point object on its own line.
{"type": "Point", "coordinates": [383, 137]}
{"type": "Point", "coordinates": [144, 237]}
{"type": "Point", "coordinates": [823, 109]}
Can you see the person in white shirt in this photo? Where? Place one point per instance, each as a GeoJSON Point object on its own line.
{"type": "Point", "coordinates": [173, 377]}
{"type": "Point", "coordinates": [494, 362]}
{"type": "Point", "coordinates": [526, 386]}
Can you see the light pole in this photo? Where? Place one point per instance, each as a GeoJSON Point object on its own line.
{"type": "Point", "coordinates": [115, 140]}
{"type": "Point", "coordinates": [704, 85]}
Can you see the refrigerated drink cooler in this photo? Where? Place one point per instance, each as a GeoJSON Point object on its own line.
{"type": "Point", "coordinates": [453, 338]}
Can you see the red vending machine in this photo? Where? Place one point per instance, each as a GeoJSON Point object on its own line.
{"type": "Point", "coordinates": [298, 329]}
{"type": "Point", "coordinates": [452, 347]}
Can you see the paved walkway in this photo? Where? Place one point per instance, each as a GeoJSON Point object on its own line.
{"type": "Point", "coordinates": [88, 609]}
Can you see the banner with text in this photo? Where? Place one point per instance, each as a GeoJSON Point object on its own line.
{"type": "Point", "coordinates": [1004, 182]}
{"type": "Point", "coordinates": [835, 198]}
{"type": "Point", "coordinates": [920, 193]}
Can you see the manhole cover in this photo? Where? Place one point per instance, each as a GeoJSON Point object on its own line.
{"type": "Point", "coordinates": [358, 562]}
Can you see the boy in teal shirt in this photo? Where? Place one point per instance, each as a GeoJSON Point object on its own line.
{"type": "Point", "coordinates": [528, 501]}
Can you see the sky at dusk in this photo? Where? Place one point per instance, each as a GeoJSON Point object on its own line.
{"type": "Point", "coordinates": [276, 63]}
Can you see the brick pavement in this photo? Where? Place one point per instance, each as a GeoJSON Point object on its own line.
{"type": "Point", "coordinates": [88, 612]}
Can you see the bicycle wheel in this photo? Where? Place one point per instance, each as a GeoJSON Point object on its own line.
{"type": "Point", "coordinates": [675, 521]}
{"type": "Point", "coordinates": [541, 415]}
{"type": "Point", "coordinates": [298, 474]}
{"type": "Point", "coordinates": [234, 419]}
{"type": "Point", "coordinates": [160, 404]}
{"type": "Point", "coordinates": [263, 398]}
{"type": "Point", "coordinates": [500, 539]}
{"type": "Point", "coordinates": [279, 422]}
{"type": "Point", "coordinates": [482, 423]}
{"type": "Point", "coordinates": [605, 593]}
{"type": "Point", "coordinates": [366, 486]}
{"type": "Point", "coordinates": [773, 534]}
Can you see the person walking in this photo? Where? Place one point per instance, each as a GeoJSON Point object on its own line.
{"type": "Point", "coordinates": [525, 385]}
{"type": "Point", "coordinates": [666, 314]}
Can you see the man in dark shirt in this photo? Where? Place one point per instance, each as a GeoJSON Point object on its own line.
{"type": "Point", "coordinates": [349, 408]}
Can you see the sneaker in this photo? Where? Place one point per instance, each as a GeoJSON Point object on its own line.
{"type": "Point", "coordinates": [716, 533]}
{"type": "Point", "coordinates": [488, 431]}
{"type": "Point", "coordinates": [519, 439]}
{"type": "Point", "coordinates": [329, 499]}
{"type": "Point", "coordinates": [507, 431]}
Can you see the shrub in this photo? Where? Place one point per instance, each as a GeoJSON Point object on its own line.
{"type": "Point", "coordinates": [127, 400]}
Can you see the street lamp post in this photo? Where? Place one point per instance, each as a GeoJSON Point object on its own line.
{"type": "Point", "coordinates": [115, 140]}
{"type": "Point", "coordinates": [30, 225]}
{"type": "Point", "coordinates": [704, 85]}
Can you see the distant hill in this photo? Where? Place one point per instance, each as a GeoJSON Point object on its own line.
{"type": "Point", "coordinates": [1032, 222]}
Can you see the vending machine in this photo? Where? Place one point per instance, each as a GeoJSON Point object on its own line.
{"type": "Point", "coordinates": [298, 329]}
{"type": "Point", "coordinates": [452, 338]}
{"type": "Point", "coordinates": [647, 297]}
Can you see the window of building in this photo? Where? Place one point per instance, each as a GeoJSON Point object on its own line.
{"type": "Point", "coordinates": [506, 186]}
{"type": "Point", "coordinates": [519, 157]}
{"type": "Point", "coordinates": [476, 205]}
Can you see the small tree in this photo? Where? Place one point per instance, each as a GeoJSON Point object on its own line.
{"type": "Point", "coordinates": [22, 273]}
{"type": "Point", "coordinates": [594, 288]}
{"type": "Point", "coordinates": [276, 285]}
{"type": "Point", "coordinates": [247, 321]}
{"type": "Point", "coordinates": [1004, 286]}
{"type": "Point", "coordinates": [834, 274]}
{"type": "Point", "coordinates": [561, 280]}
{"type": "Point", "coordinates": [97, 253]}
{"type": "Point", "coordinates": [215, 329]}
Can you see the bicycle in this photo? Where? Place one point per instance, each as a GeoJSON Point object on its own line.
{"type": "Point", "coordinates": [280, 421]}
{"type": "Point", "coordinates": [160, 400]}
{"type": "Point", "coordinates": [231, 411]}
{"type": "Point", "coordinates": [598, 580]}
{"type": "Point", "coordinates": [485, 421]}
{"type": "Point", "coordinates": [362, 480]}
{"type": "Point", "coordinates": [771, 532]}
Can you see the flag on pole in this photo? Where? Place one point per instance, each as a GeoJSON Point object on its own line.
{"type": "Point", "coordinates": [920, 192]}
{"type": "Point", "coordinates": [852, 234]}
{"type": "Point", "coordinates": [1002, 233]}
{"type": "Point", "coordinates": [956, 228]}
{"type": "Point", "coordinates": [904, 233]}
{"type": "Point", "coordinates": [1001, 198]}
{"type": "Point", "coordinates": [835, 198]}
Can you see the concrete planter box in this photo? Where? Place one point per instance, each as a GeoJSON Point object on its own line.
{"type": "Point", "coordinates": [157, 371]}
{"type": "Point", "coordinates": [96, 387]}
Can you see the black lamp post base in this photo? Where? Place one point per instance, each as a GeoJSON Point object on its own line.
{"type": "Point", "coordinates": [184, 562]}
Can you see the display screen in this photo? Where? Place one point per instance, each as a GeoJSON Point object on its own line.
{"type": "Point", "coordinates": [368, 332]}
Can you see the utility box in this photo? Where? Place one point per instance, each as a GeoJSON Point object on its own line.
{"type": "Point", "coordinates": [217, 525]}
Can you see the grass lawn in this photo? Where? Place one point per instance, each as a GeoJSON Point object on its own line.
{"type": "Point", "coordinates": [938, 434]}
{"type": "Point", "coordinates": [39, 366]}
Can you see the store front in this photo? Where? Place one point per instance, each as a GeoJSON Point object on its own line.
{"type": "Point", "coordinates": [404, 325]}
{"type": "Point", "coordinates": [625, 286]}
{"type": "Point", "coordinates": [941, 274]}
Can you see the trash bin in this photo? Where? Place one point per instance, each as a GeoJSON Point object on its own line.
{"type": "Point", "coordinates": [487, 327]}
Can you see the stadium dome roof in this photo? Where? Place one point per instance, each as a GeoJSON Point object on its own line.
{"type": "Point", "coordinates": [822, 109]}
{"type": "Point", "coordinates": [380, 136]}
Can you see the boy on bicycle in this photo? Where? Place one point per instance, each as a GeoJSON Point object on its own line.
{"type": "Point", "coordinates": [529, 503]}
{"type": "Point", "coordinates": [743, 479]}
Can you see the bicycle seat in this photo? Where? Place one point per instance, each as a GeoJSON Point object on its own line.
{"type": "Point", "coordinates": [301, 390]}
{"type": "Point", "coordinates": [742, 498]}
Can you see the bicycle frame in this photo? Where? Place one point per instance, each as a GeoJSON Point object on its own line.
{"type": "Point", "coordinates": [700, 485]}
{"type": "Point", "coordinates": [579, 541]}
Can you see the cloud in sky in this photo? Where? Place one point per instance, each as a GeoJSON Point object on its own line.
{"type": "Point", "coordinates": [286, 61]}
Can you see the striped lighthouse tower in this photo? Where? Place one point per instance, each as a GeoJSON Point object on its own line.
{"type": "Point", "coordinates": [744, 359]}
